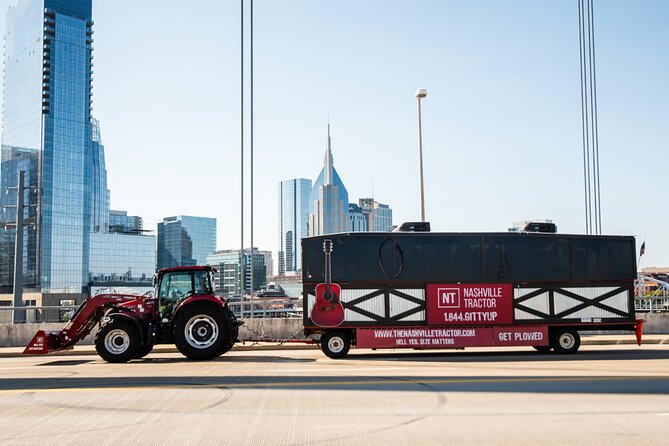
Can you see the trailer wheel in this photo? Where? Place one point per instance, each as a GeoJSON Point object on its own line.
{"type": "Point", "coordinates": [565, 341]}
{"type": "Point", "coordinates": [335, 345]}
{"type": "Point", "coordinates": [201, 332]}
{"type": "Point", "coordinates": [117, 341]}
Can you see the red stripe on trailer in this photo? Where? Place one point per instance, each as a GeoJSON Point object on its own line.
{"type": "Point", "coordinates": [520, 335]}
{"type": "Point", "coordinates": [423, 337]}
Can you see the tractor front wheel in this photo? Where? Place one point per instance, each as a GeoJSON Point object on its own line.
{"type": "Point", "coordinates": [117, 341]}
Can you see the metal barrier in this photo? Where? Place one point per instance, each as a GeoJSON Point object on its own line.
{"type": "Point", "coordinates": [36, 315]}
{"type": "Point", "coordinates": [52, 314]}
{"type": "Point", "coordinates": [654, 304]}
{"type": "Point", "coordinates": [265, 309]}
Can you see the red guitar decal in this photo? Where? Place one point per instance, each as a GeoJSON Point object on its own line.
{"type": "Point", "coordinates": [328, 310]}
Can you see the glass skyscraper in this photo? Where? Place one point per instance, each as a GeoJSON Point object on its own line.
{"type": "Point", "coordinates": [328, 212]}
{"type": "Point", "coordinates": [293, 222]}
{"type": "Point", "coordinates": [49, 133]}
{"type": "Point", "coordinates": [185, 241]}
{"type": "Point", "coordinates": [379, 216]}
{"type": "Point", "coordinates": [228, 279]}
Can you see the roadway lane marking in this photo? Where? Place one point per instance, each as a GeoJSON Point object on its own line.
{"type": "Point", "coordinates": [376, 382]}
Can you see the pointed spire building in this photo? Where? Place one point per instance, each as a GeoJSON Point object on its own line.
{"type": "Point", "coordinates": [328, 212]}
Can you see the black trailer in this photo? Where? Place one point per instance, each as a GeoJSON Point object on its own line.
{"type": "Point", "coordinates": [456, 290]}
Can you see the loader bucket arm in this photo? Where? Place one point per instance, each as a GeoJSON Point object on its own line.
{"type": "Point", "coordinates": [82, 322]}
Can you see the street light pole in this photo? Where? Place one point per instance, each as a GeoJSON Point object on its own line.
{"type": "Point", "coordinates": [421, 93]}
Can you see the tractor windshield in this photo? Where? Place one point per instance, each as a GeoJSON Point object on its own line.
{"type": "Point", "coordinates": [176, 286]}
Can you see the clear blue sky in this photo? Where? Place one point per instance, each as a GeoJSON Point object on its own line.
{"type": "Point", "coordinates": [501, 123]}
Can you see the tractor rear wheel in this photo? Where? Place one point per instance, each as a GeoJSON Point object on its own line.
{"type": "Point", "coordinates": [202, 332]}
{"type": "Point", "coordinates": [117, 340]}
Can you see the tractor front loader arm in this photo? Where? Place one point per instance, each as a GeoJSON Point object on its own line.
{"type": "Point", "coordinates": [89, 313]}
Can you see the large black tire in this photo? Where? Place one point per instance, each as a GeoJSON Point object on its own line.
{"type": "Point", "coordinates": [117, 340]}
{"type": "Point", "coordinates": [565, 341]}
{"type": "Point", "coordinates": [202, 332]}
{"type": "Point", "coordinates": [143, 350]}
{"type": "Point", "coordinates": [233, 338]}
{"type": "Point", "coordinates": [335, 344]}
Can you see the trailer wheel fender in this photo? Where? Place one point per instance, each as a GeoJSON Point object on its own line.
{"type": "Point", "coordinates": [565, 340]}
{"type": "Point", "coordinates": [335, 344]}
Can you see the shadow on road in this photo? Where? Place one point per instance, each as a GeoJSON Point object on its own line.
{"type": "Point", "coordinates": [508, 356]}
{"type": "Point", "coordinates": [636, 385]}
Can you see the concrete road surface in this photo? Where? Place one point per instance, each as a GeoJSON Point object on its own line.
{"type": "Point", "coordinates": [603, 395]}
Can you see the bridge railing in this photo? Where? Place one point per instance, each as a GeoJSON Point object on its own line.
{"type": "Point", "coordinates": [54, 314]}
{"type": "Point", "coordinates": [654, 304]}
{"type": "Point", "coordinates": [36, 315]}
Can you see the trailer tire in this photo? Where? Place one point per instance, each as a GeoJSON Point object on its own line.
{"type": "Point", "coordinates": [565, 341]}
{"type": "Point", "coordinates": [335, 345]}
{"type": "Point", "coordinates": [117, 340]}
{"type": "Point", "coordinates": [201, 332]}
{"type": "Point", "coordinates": [542, 348]}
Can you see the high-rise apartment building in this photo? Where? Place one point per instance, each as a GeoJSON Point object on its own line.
{"type": "Point", "coordinates": [293, 222]}
{"type": "Point", "coordinates": [328, 212]}
{"type": "Point", "coordinates": [230, 265]}
{"type": "Point", "coordinates": [185, 240]}
{"type": "Point", "coordinates": [121, 222]}
{"type": "Point", "coordinates": [379, 216]}
{"type": "Point", "coordinates": [49, 133]}
{"type": "Point", "coordinates": [357, 221]}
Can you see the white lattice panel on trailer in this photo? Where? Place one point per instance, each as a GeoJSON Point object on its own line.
{"type": "Point", "coordinates": [563, 303]}
{"type": "Point", "coordinates": [521, 315]}
{"type": "Point", "coordinates": [539, 302]}
{"type": "Point", "coordinates": [375, 305]}
{"type": "Point", "coordinates": [592, 313]}
{"type": "Point", "coordinates": [522, 292]}
{"type": "Point", "coordinates": [311, 301]}
{"type": "Point", "coordinates": [619, 301]}
{"type": "Point", "coordinates": [399, 305]}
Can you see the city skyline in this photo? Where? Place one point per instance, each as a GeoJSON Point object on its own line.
{"type": "Point", "coordinates": [501, 121]}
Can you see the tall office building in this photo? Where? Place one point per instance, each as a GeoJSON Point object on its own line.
{"type": "Point", "coordinates": [357, 221]}
{"type": "Point", "coordinates": [185, 240]}
{"type": "Point", "coordinates": [293, 222]}
{"type": "Point", "coordinates": [49, 133]}
{"type": "Point", "coordinates": [328, 199]}
{"type": "Point", "coordinates": [229, 264]}
{"type": "Point", "coordinates": [121, 222]}
{"type": "Point", "coordinates": [379, 216]}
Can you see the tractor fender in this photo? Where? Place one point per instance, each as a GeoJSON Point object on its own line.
{"type": "Point", "coordinates": [119, 314]}
{"type": "Point", "coordinates": [208, 298]}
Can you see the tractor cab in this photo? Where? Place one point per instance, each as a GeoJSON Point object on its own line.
{"type": "Point", "coordinates": [175, 285]}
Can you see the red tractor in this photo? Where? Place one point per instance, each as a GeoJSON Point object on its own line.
{"type": "Point", "coordinates": [183, 311]}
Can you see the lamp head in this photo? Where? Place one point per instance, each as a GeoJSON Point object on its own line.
{"type": "Point", "coordinates": [421, 93]}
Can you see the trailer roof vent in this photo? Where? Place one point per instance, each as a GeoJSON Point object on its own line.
{"type": "Point", "coordinates": [413, 226]}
